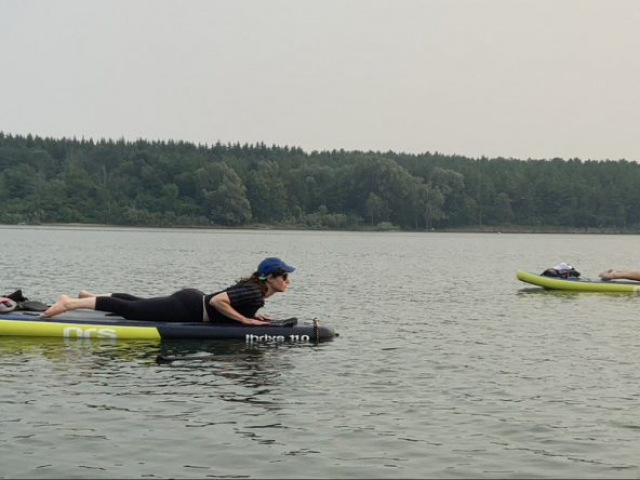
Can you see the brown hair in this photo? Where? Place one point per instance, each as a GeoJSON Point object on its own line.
{"type": "Point", "coordinates": [254, 279]}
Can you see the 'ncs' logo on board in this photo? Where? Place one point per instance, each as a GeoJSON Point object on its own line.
{"type": "Point", "coordinates": [78, 332]}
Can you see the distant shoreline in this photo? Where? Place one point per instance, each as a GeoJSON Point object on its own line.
{"type": "Point", "coordinates": [504, 229]}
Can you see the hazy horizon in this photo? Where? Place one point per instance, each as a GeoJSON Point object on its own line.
{"type": "Point", "coordinates": [487, 78]}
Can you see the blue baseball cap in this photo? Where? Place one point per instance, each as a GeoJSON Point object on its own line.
{"type": "Point", "coordinates": [271, 265]}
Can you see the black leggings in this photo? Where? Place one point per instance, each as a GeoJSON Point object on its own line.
{"type": "Point", "coordinates": [182, 306]}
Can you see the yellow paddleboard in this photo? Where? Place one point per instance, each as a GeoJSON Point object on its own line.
{"type": "Point", "coordinates": [578, 284]}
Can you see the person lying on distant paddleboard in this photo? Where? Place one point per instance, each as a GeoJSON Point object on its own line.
{"type": "Point", "coordinates": [612, 274]}
{"type": "Point", "coordinates": [237, 303]}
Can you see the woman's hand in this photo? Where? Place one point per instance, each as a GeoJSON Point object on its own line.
{"type": "Point", "coordinates": [254, 322]}
{"type": "Point", "coordinates": [264, 318]}
{"type": "Point", "coordinates": [222, 303]}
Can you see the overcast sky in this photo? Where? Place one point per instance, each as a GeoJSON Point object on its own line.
{"type": "Point", "coordinates": [511, 78]}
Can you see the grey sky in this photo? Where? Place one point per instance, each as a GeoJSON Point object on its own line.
{"type": "Point", "coordinates": [511, 78]}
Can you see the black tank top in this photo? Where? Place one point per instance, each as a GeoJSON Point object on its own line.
{"type": "Point", "coordinates": [245, 298]}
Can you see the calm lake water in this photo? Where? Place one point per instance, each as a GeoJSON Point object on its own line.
{"type": "Point", "coordinates": [446, 365]}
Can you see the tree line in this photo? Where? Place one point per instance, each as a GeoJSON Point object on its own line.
{"type": "Point", "coordinates": [174, 183]}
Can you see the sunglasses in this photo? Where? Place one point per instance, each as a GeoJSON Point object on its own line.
{"type": "Point", "coordinates": [281, 273]}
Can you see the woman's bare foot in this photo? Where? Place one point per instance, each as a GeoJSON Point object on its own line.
{"type": "Point", "coordinates": [61, 306]}
{"type": "Point", "coordinates": [608, 274]}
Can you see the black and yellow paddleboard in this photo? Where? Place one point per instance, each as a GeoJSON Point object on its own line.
{"type": "Point", "coordinates": [579, 284]}
{"type": "Point", "coordinates": [100, 325]}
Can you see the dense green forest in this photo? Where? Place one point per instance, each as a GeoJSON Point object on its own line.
{"type": "Point", "coordinates": [169, 183]}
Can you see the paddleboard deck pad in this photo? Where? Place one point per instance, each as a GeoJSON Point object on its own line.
{"type": "Point", "coordinates": [579, 284]}
{"type": "Point", "coordinates": [101, 325]}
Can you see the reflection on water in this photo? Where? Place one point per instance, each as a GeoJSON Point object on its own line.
{"type": "Point", "coordinates": [232, 371]}
{"type": "Point", "coordinates": [72, 351]}
{"type": "Point", "coordinates": [250, 366]}
{"type": "Point", "coordinates": [568, 294]}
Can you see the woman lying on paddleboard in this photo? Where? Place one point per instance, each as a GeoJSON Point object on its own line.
{"type": "Point", "coordinates": [238, 303]}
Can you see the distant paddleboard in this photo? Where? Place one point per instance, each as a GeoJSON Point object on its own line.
{"type": "Point", "coordinates": [578, 284]}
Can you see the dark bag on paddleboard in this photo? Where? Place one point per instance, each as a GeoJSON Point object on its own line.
{"type": "Point", "coordinates": [23, 303]}
{"type": "Point", "coordinates": [562, 270]}
{"type": "Point", "coordinates": [7, 305]}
